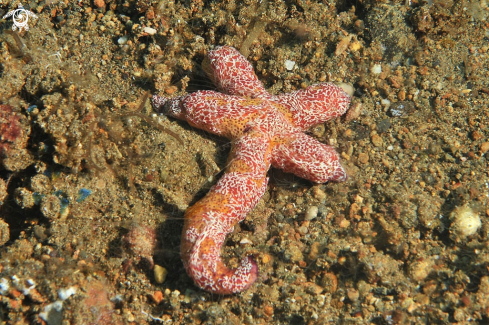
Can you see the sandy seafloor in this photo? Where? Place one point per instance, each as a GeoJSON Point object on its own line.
{"type": "Point", "coordinates": [94, 186]}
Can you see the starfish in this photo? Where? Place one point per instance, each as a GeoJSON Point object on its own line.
{"type": "Point", "coordinates": [265, 130]}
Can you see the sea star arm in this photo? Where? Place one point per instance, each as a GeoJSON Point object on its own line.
{"type": "Point", "coordinates": [211, 111]}
{"type": "Point", "coordinates": [308, 158]}
{"type": "Point", "coordinates": [233, 74]}
{"type": "Point", "coordinates": [209, 221]}
{"type": "Point", "coordinates": [315, 104]}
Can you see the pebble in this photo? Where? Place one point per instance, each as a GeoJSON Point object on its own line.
{"type": "Point", "coordinates": [24, 198]}
{"type": "Point", "coordinates": [318, 193]}
{"type": "Point", "coordinates": [129, 316]}
{"type": "Point", "coordinates": [363, 158]}
{"type": "Point", "coordinates": [377, 140]}
{"type": "Point", "coordinates": [64, 294]}
{"type": "Point", "coordinates": [3, 190]}
{"type": "Point", "coordinates": [266, 258]}
{"type": "Point", "coordinates": [157, 297]}
{"type": "Point", "coordinates": [99, 3]}
{"type": "Point", "coordinates": [376, 69]}
{"type": "Point", "coordinates": [245, 241]}
{"type": "Point", "coordinates": [122, 40]}
{"type": "Point", "coordinates": [313, 288]}
{"type": "Point", "coordinates": [51, 206]}
{"type": "Point", "coordinates": [484, 147]}
{"type": "Point", "coordinates": [149, 30]}
{"type": "Point", "coordinates": [4, 232]}
{"type": "Point", "coordinates": [401, 109]}
{"type": "Point", "coordinates": [385, 102]}
{"type": "Point", "coordinates": [289, 65]}
{"type": "Point", "coordinates": [352, 294]}
{"type": "Point", "coordinates": [466, 222]}
{"type": "Point", "coordinates": [311, 213]}
{"type": "Point", "coordinates": [160, 273]}
{"type": "Point", "coordinates": [419, 270]}
{"type": "Point", "coordinates": [329, 282]}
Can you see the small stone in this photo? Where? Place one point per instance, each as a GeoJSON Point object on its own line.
{"type": "Point", "coordinates": [122, 40]}
{"type": "Point", "coordinates": [24, 198]}
{"type": "Point", "coordinates": [266, 258]}
{"type": "Point", "coordinates": [157, 297]}
{"type": "Point", "coordinates": [385, 102]}
{"type": "Point", "coordinates": [4, 232]}
{"type": "Point", "coordinates": [149, 30]}
{"type": "Point", "coordinates": [419, 270]}
{"type": "Point", "coordinates": [99, 3]}
{"type": "Point", "coordinates": [303, 230]}
{"type": "Point", "coordinates": [352, 294]}
{"type": "Point", "coordinates": [160, 273]}
{"type": "Point", "coordinates": [376, 69]}
{"type": "Point", "coordinates": [318, 193]}
{"type": "Point", "coordinates": [344, 223]}
{"type": "Point", "coordinates": [129, 316]}
{"type": "Point", "coordinates": [245, 241]}
{"type": "Point", "coordinates": [150, 14]}
{"type": "Point", "coordinates": [51, 206]}
{"type": "Point", "coordinates": [268, 310]}
{"type": "Point", "coordinates": [311, 213]}
{"type": "Point", "coordinates": [40, 184]}
{"type": "Point", "coordinates": [484, 147]}
{"type": "Point", "coordinates": [314, 251]}
{"type": "Point", "coordinates": [289, 65]}
{"type": "Point", "coordinates": [313, 288]}
{"type": "Point", "coordinates": [383, 125]}
{"type": "Point", "coordinates": [3, 190]}
{"type": "Point", "coordinates": [329, 282]}
{"type": "Point", "coordinates": [293, 253]}
{"type": "Point", "coordinates": [465, 222]}
{"type": "Point", "coordinates": [401, 109]}
{"type": "Point", "coordinates": [363, 158]}
{"type": "Point", "coordinates": [377, 140]}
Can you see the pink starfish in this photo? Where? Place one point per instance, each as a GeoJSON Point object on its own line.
{"type": "Point", "coordinates": [265, 130]}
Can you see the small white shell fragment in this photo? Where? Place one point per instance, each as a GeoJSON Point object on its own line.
{"type": "Point", "coordinates": [376, 69]}
{"type": "Point", "coordinates": [311, 213]}
{"type": "Point", "coordinates": [245, 241]}
{"type": "Point", "coordinates": [385, 102]}
{"type": "Point", "coordinates": [289, 65]}
{"type": "Point", "coordinates": [465, 223]}
{"type": "Point", "coordinates": [122, 40]}
{"type": "Point", "coordinates": [149, 30]}
{"type": "Point", "coordinates": [64, 294]}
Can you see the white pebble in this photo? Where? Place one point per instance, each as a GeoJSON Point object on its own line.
{"type": "Point", "coordinates": [4, 286]}
{"type": "Point", "coordinates": [64, 294]}
{"type": "Point", "coordinates": [465, 222]}
{"type": "Point", "coordinates": [311, 213]}
{"type": "Point", "coordinates": [385, 102]}
{"type": "Point", "coordinates": [376, 69]}
{"type": "Point", "coordinates": [245, 241]}
{"type": "Point", "coordinates": [149, 30]}
{"type": "Point", "coordinates": [122, 40]}
{"type": "Point", "coordinates": [289, 65]}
